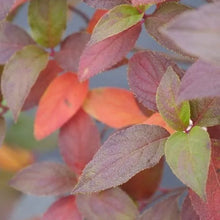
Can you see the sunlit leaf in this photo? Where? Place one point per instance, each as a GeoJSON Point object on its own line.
{"type": "Point", "coordinates": [46, 178]}
{"type": "Point", "coordinates": [60, 102]}
{"type": "Point", "coordinates": [188, 155]}
{"type": "Point", "coordinates": [124, 154]}
{"type": "Point", "coordinates": [113, 106]}
{"type": "Point", "coordinates": [19, 75]}
{"type": "Point", "coordinates": [47, 19]}
{"type": "Point", "coordinates": [111, 204]}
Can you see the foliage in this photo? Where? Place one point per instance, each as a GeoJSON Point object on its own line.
{"type": "Point", "coordinates": [171, 114]}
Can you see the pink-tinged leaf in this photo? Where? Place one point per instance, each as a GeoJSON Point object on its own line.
{"type": "Point", "coordinates": [63, 209]}
{"type": "Point", "coordinates": [60, 102]}
{"type": "Point", "coordinates": [101, 56]}
{"type": "Point", "coordinates": [166, 209]}
{"type": "Point", "coordinates": [205, 112]}
{"type": "Point", "coordinates": [106, 4]}
{"type": "Point", "coordinates": [46, 178]}
{"type": "Point", "coordinates": [202, 80]}
{"type": "Point", "coordinates": [20, 74]}
{"type": "Point", "coordinates": [144, 184]}
{"type": "Point", "coordinates": [113, 106]}
{"type": "Point", "coordinates": [187, 211]}
{"type": "Point", "coordinates": [45, 78]}
{"type": "Point", "coordinates": [144, 2]}
{"type": "Point", "coordinates": [145, 71]}
{"type": "Point", "coordinates": [162, 15]}
{"type": "Point", "coordinates": [12, 39]}
{"type": "Point", "coordinates": [124, 154]}
{"type": "Point", "coordinates": [5, 8]}
{"type": "Point", "coordinates": [2, 130]}
{"type": "Point", "coordinates": [176, 115]}
{"type": "Point", "coordinates": [214, 132]}
{"type": "Point", "coordinates": [71, 50]}
{"type": "Point", "coordinates": [18, 3]}
{"type": "Point", "coordinates": [197, 32]}
{"type": "Point", "coordinates": [111, 204]}
{"type": "Point", "coordinates": [78, 141]}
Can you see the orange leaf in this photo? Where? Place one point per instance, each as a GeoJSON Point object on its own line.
{"type": "Point", "coordinates": [60, 102]}
{"type": "Point", "coordinates": [14, 159]}
{"type": "Point", "coordinates": [114, 107]}
{"type": "Point", "coordinates": [94, 20]}
{"type": "Point", "coordinates": [156, 119]}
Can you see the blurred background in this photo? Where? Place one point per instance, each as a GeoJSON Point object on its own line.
{"type": "Point", "coordinates": [28, 150]}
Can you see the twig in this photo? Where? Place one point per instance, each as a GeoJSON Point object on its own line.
{"type": "Point", "coordinates": [80, 13]}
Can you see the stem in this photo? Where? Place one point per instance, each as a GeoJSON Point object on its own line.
{"type": "Point", "coordinates": [52, 52]}
{"type": "Point", "coordinates": [80, 13]}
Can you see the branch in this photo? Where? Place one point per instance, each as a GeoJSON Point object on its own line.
{"type": "Point", "coordinates": [80, 13]}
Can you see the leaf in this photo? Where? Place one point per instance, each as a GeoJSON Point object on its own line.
{"type": "Point", "coordinates": [187, 211]}
{"type": "Point", "coordinates": [94, 20]}
{"type": "Point", "coordinates": [63, 209]}
{"type": "Point", "coordinates": [205, 112]}
{"type": "Point", "coordinates": [214, 132]}
{"type": "Point", "coordinates": [99, 57]}
{"type": "Point", "coordinates": [106, 4]}
{"type": "Point", "coordinates": [113, 106]}
{"type": "Point", "coordinates": [143, 2]}
{"type": "Point", "coordinates": [46, 178]}
{"type": "Point", "coordinates": [144, 184]}
{"type": "Point", "coordinates": [60, 102]}
{"type": "Point", "coordinates": [162, 15]}
{"type": "Point", "coordinates": [156, 119]}
{"type": "Point", "coordinates": [177, 116]}
{"type": "Point", "coordinates": [115, 21]}
{"type": "Point", "coordinates": [188, 156]}
{"type": "Point", "coordinates": [124, 154]}
{"type": "Point", "coordinates": [14, 159]}
{"type": "Point", "coordinates": [43, 81]}
{"type": "Point", "coordinates": [111, 204]}
{"type": "Point", "coordinates": [197, 32]}
{"type": "Point", "coordinates": [71, 50]}
{"type": "Point", "coordinates": [47, 20]}
{"type": "Point", "coordinates": [18, 3]}
{"type": "Point", "coordinates": [2, 130]}
{"type": "Point", "coordinates": [202, 80]}
{"type": "Point", "coordinates": [167, 209]}
{"type": "Point", "coordinates": [5, 8]}
{"type": "Point", "coordinates": [78, 141]}
{"type": "Point", "coordinates": [12, 39]}
{"type": "Point", "coordinates": [145, 70]}
{"type": "Point", "coordinates": [19, 75]}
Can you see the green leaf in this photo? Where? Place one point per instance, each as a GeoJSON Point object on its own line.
{"type": "Point", "coordinates": [177, 116]}
{"type": "Point", "coordinates": [115, 21]}
{"type": "Point", "coordinates": [20, 74]}
{"type": "Point", "coordinates": [47, 19]}
{"type": "Point", "coordinates": [188, 156]}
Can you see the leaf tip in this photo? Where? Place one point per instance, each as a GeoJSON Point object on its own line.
{"type": "Point", "coordinates": [84, 75]}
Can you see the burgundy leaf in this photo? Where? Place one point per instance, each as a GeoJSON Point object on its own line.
{"type": "Point", "coordinates": [78, 141]}
{"type": "Point", "coordinates": [106, 4]}
{"type": "Point", "coordinates": [214, 132]}
{"type": "Point", "coordinates": [12, 39]}
{"type": "Point", "coordinates": [46, 178]}
{"type": "Point", "coordinates": [103, 55]}
{"type": "Point", "coordinates": [145, 71]}
{"type": "Point", "coordinates": [5, 7]}
{"type": "Point", "coordinates": [111, 204]}
{"type": "Point", "coordinates": [71, 50]}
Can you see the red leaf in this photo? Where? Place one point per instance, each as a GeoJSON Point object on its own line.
{"type": "Point", "coordinates": [60, 102]}
{"type": "Point", "coordinates": [18, 3]}
{"type": "Point", "coordinates": [63, 209]}
{"type": "Point", "coordinates": [43, 81]}
{"type": "Point", "coordinates": [78, 141]}
{"type": "Point", "coordinates": [114, 107]}
{"type": "Point", "coordinates": [102, 55]}
{"type": "Point", "coordinates": [214, 132]}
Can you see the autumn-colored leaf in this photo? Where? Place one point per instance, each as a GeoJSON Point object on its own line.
{"type": "Point", "coordinates": [144, 184]}
{"type": "Point", "coordinates": [111, 204]}
{"type": "Point", "coordinates": [188, 155]}
{"type": "Point", "coordinates": [144, 2]}
{"type": "Point", "coordinates": [78, 141]}
{"type": "Point", "coordinates": [18, 3]}
{"type": "Point", "coordinates": [214, 132]}
{"type": "Point", "coordinates": [95, 18]}
{"type": "Point", "coordinates": [46, 178]}
{"type": "Point", "coordinates": [12, 39]}
{"type": "Point", "coordinates": [60, 102]}
{"type": "Point", "coordinates": [63, 209]}
{"type": "Point", "coordinates": [113, 106]}
{"type": "Point", "coordinates": [103, 55]}
{"type": "Point", "coordinates": [5, 8]}
{"type": "Point", "coordinates": [14, 159]}
{"type": "Point", "coordinates": [43, 81]}
{"type": "Point", "coordinates": [2, 130]}
{"type": "Point", "coordinates": [125, 153]}
{"type": "Point", "coordinates": [20, 74]}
